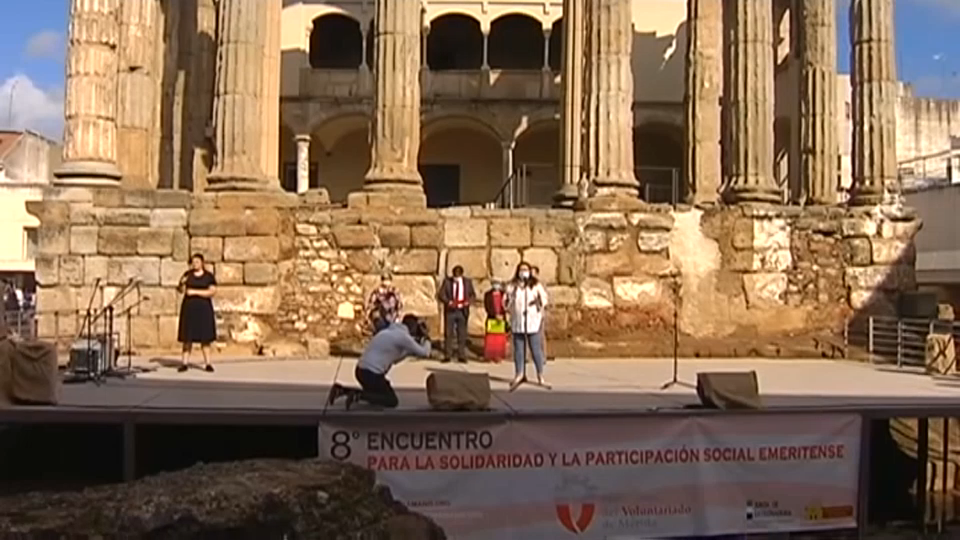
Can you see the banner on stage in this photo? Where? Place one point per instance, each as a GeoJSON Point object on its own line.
{"type": "Point", "coordinates": [625, 478]}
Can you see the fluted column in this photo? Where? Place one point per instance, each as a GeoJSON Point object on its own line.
{"type": "Point", "coordinates": [395, 130]}
{"type": "Point", "coordinates": [874, 100]}
{"type": "Point", "coordinates": [90, 108]}
{"type": "Point", "coordinates": [704, 88]}
{"type": "Point", "coordinates": [749, 98]}
{"type": "Point", "coordinates": [271, 88]}
{"type": "Point", "coordinates": [609, 99]}
{"type": "Point", "coordinates": [137, 92]}
{"type": "Point", "coordinates": [303, 163]}
{"type": "Point", "coordinates": [819, 142]}
{"type": "Point", "coordinates": [571, 114]}
{"type": "Point", "coordinates": [238, 114]}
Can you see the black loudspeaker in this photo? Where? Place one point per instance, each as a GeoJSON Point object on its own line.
{"type": "Point", "coordinates": [729, 390]}
{"type": "Point", "coordinates": [918, 305]}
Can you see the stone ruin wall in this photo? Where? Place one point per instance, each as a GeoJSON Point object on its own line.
{"type": "Point", "coordinates": [293, 275]}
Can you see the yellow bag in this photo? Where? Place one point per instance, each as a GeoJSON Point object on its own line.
{"type": "Point", "coordinates": [496, 326]}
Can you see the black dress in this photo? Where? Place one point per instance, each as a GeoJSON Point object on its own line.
{"type": "Point", "coordinates": [197, 321]}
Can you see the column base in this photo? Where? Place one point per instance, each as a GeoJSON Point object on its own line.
{"type": "Point", "coordinates": [566, 197]}
{"type": "Point", "coordinates": [611, 203]}
{"type": "Point", "coordinates": [99, 174]}
{"type": "Point", "coordinates": [866, 198]}
{"type": "Point", "coordinates": [383, 198]}
{"type": "Point", "coordinates": [751, 194]}
{"type": "Point", "coordinates": [316, 196]}
{"type": "Point", "coordinates": [220, 182]}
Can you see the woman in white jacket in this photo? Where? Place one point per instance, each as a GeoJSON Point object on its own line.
{"type": "Point", "coordinates": [525, 301]}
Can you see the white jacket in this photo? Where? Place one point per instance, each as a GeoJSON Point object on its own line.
{"type": "Point", "coordinates": [525, 318]}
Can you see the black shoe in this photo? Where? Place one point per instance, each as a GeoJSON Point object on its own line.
{"type": "Point", "coordinates": [445, 361]}
{"type": "Point", "coordinates": [462, 360]}
{"type": "Point", "coordinates": [182, 368]}
{"type": "Point", "coordinates": [335, 392]}
{"type": "Point", "coordinates": [208, 368]}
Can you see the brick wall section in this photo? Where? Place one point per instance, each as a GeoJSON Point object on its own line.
{"type": "Point", "coordinates": [297, 272]}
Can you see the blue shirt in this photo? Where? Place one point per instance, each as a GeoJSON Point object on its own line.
{"type": "Point", "coordinates": [390, 346]}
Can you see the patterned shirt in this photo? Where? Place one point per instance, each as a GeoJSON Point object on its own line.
{"type": "Point", "coordinates": [384, 303]}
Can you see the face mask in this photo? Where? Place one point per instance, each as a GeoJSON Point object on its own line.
{"type": "Point", "coordinates": [524, 275]}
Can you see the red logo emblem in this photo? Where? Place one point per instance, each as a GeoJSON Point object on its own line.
{"type": "Point", "coordinates": [578, 524]}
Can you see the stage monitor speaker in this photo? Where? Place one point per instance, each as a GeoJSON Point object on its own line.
{"type": "Point", "coordinates": [729, 390]}
{"type": "Point", "coordinates": [918, 305]}
{"type": "Point", "coordinates": [458, 391]}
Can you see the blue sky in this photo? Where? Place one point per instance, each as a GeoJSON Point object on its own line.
{"type": "Point", "coordinates": [32, 52]}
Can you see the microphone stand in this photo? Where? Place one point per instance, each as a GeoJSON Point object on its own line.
{"type": "Point", "coordinates": [129, 370]}
{"type": "Point", "coordinates": [675, 380]}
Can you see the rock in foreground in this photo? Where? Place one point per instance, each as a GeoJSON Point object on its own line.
{"type": "Point", "coordinates": [262, 500]}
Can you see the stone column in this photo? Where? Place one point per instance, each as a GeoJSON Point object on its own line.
{"type": "Point", "coordinates": [571, 99]}
{"type": "Point", "coordinates": [874, 101]}
{"type": "Point", "coordinates": [819, 141]}
{"type": "Point", "coordinates": [609, 100]}
{"type": "Point", "coordinates": [90, 108]}
{"type": "Point", "coordinates": [137, 86]}
{"type": "Point", "coordinates": [303, 163]}
{"type": "Point", "coordinates": [271, 89]}
{"type": "Point", "coordinates": [704, 88]}
{"type": "Point", "coordinates": [395, 130]}
{"type": "Point", "coordinates": [238, 114]}
{"type": "Point", "coordinates": [749, 91]}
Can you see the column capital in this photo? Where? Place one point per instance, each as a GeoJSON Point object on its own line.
{"type": "Point", "coordinates": [303, 138]}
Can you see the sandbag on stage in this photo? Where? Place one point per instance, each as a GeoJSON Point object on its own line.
{"type": "Point", "coordinates": [35, 378]}
{"type": "Point", "coordinates": [458, 391]}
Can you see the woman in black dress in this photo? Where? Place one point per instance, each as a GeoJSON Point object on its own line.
{"type": "Point", "coordinates": [197, 321]}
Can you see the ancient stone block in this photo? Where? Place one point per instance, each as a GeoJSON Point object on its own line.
{"type": "Point", "coordinates": [171, 271]}
{"type": "Point", "coordinates": [503, 263]}
{"type": "Point", "coordinates": [419, 294]}
{"type": "Point", "coordinates": [870, 278]}
{"type": "Point", "coordinates": [893, 250]}
{"type": "Point", "coordinates": [771, 234]}
{"type": "Point", "coordinates": [53, 240]}
{"type": "Point", "coordinates": [306, 229]}
{"type": "Point", "coordinates": [259, 273]}
{"type": "Point", "coordinates": [859, 226]}
{"type": "Point", "coordinates": [171, 198]}
{"type": "Point", "coordinates": [741, 233]}
{"type": "Point", "coordinates": [155, 241]}
{"type": "Point", "coordinates": [94, 268]}
{"type": "Point", "coordinates": [546, 260]}
{"type": "Point", "coordinates": [594, 241]}
{"type": "Point", "coordinates": [46, 270]}
{"type": "Point", "coordinates": [167, 326]}
{"type": "Point", "coordinates": [120, 270]}
{"type": "Point", "coordinates": [84, 214]}
{"type": "Point", "coordinates": [262, 221]}
{"type": "Point", "coordinates": [653, 241]}
{"type": "Point", "coordinates": [510, 232]}
{"type": "Point", "coordinates": [596, 294]}
{"type": "Point", "coordinates": [608, 264]}
{"type": "Point", "coordinates": [365, 261]}
{"type": "Point", "coordinates": [83, 239]}
{"type": "Point", "coordinates": [173, 218]}
{"type": "Point", "coordinates": [181, 245]}
{"type": "Point", "coordinates": [216, 222]}
{"type": "Point", "coordinates": [161, 300]}
{"type": "Point", "coordinates": [637, 291]}
{"type": "Point", "coordinates": [569, 267]}
{"type": "Point", "coordinates": [553, 233]}
{"type": "Point", "coordinates": [602, 220]}
{"type": "Point", "coordinates": [251, 249]}
{"type": "Point", "coordinates": [858, 251]}
{"type": "Point", "coordinates": [657, 221]}
{"type": "Point", "coordinates": [904, 230]}
{"type": "Point", "coordinates": [230, 273]}
{"type": "Point", "coordinates": [466, 232]}
{"type": "Point", "coordinates": [473, 261]}
{"type": "Point", "coordinates": [253, 300]}
{"type": "Point", "coordinates": [426, 236]}
{"type": "Point", "coordinates": [417, 261]}
{"type": "Point", "coordinates": [56, 299]}
{"type": "Point", "coordinates": [46, 326]}
{"type": "Point", "coordinates": [765, 290]}
{"type": "Point", "coordinates": [395, 236]}
{"type": "Point", "coordinates": [50, 212]}
{"type": "Point", "coordinates": [117, 240]}
{"type": "Point", "coordinates": [211, 248]}
{"type": "Point", "coordinates": [318, 348]}
{"type": "Point", "coordinates": [238, 200]}
{"type": "Point", "coordinates": [563, 295]}
{"type": "Point", "coordinates": [144, 331]}
{"type": "Point", "coordinates": [125, 217]}
{"type": "Point", "coordinates": [71, 270]}
{"type": "Point", "coordinates": [354, 236]}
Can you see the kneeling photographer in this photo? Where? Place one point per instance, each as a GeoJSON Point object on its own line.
{"type": "Point", "coordinates": [387, 348]}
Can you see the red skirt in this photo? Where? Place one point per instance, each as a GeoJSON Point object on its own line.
{"type": "Point", "coordinates": [495, 341]}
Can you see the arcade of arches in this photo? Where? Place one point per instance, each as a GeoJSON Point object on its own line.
{"type": "Point", "coordinates": [463, 161]}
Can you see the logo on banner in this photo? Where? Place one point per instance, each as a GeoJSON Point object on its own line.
{"type": "Point", "coordinates": [766, 511]}
{"type": "Point", "coordinates": [575, 517]}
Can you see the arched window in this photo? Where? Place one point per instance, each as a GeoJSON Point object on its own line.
{"type": "Point", "coordinates": [515, 42]}
{"type": "Point", "coordinates": [455, 42]}
{"type": "Point", "coordinates": [336, 42]}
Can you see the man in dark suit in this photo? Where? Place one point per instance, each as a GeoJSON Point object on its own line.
{"type": "Point", "coordinates": [456, 295]}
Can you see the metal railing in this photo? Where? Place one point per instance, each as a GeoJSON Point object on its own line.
{"type": "Point", "coordinates": [891, 340]}
{"type": "Point", "coordinates": [658, 185]}
{"type": "Point", "coordinates": [21, 323]}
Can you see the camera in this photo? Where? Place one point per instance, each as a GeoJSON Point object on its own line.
{"type": "Point", "coordinates": [422, 333]}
